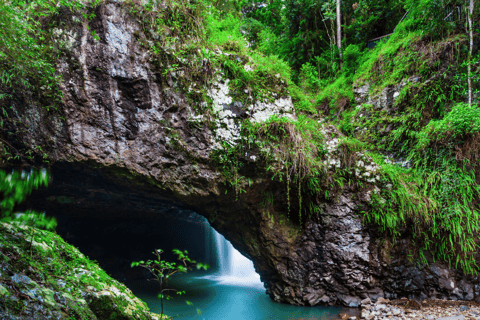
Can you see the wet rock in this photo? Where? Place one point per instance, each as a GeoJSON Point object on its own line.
{"type": "Point", "coordinates": [366, 301]}
{"type": "Point", "coordinates": [430, 309]}
{"type": "Point", "coordinates": [315, 297]}
{"type": "Point", "coordinates": [381, 300]}
{"type": "Point", "coordinates": [380, 307]}
{"type": "Point", "coordinates": [447, 283]}
{"type": "Point", "coordinates": [396, 311]}
{"type": "Point", "coordinates": [361, 93]}
{"type": "Point", "coordinates": [365, 313]}
{"type": "Point", "coordinates": [350, 301]}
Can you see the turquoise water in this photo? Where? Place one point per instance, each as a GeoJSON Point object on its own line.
{"type": "Point", "coordinates": [220, 298]}
{"type": "Point", "coordinates": [232, 290]}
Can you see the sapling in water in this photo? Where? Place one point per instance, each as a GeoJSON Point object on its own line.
{"type": "Point", "coordinates": [162, 270]}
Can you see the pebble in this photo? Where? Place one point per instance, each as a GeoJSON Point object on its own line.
{"type": "Point", "coordinates": [385, 309]}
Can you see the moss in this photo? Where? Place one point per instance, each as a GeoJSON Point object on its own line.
{"type": "Point", "coordinates": [55, 278]}
{"type": "Point", "coordinates": [4, 291]}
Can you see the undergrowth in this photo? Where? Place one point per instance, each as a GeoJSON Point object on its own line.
{"type": "Point", "coordinates": [290, 151]}
{"type": "Point", "coordinates": [435, 206]}
{"type": "Point", "coordinates": [431, 195]}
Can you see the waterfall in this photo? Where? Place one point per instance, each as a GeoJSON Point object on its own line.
{"type": "Point", "coordinates": [233, 267]}
{"type": "Point", "coordinates": [222, 257]}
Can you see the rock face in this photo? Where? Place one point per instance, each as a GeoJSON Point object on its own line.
{"type": "Point", "coordinates": [130, 141]}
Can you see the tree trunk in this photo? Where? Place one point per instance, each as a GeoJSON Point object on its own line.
{"type": "Point", "coordinates": [470, 27]}
{"type": "Point", "coordinates": [339, 32]}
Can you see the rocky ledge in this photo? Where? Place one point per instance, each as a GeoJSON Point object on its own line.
{"type": "Point", "coordinates": [43, 277]}
{"type": "Point", "coordinates": [404, 309]}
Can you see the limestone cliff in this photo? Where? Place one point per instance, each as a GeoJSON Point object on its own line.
{"type": "Point", "coordinates": [141, 128]}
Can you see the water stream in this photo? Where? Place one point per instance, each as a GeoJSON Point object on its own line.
{"type": "Point", "coordinates": [233, 267]}
{"type": "Point", "coordinates": [232, 291]}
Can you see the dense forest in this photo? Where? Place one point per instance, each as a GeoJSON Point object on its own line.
{"type": "Point", "coordinates": [420, 56]}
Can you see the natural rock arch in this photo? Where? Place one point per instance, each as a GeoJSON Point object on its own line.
{"type": "Point", "coordinates": [116, 123]}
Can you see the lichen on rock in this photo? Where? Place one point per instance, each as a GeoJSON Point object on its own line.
{"type": "Point", "coordinates": [229, 113]}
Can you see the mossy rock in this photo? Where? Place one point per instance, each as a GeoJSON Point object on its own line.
{"type": "Point", "coordinates": [4, 291]}
{"type": "Point", "coordinates": [43, 277]}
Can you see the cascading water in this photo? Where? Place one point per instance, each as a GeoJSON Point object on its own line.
{"type": "Point", "coordinates": [233, 267]}
{"type": "Point", "coordinates": [222, 254]}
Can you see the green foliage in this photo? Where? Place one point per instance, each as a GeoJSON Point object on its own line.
{"type": "Point", "coordinates": [340, 89]}
{"type": "Point", "coordinates": [281, 42]}
{"type": "Point", "coordinates": [303, 31]}
{"type": "Point", "coordinates": [16, 186]}
{"type": "Point", "coordinates": [226, 32]}
{"type": "Point", "coordinates": [431, 202]}
{"type": "Point", "coordinates": [436, 202]}
{"type": "Point", "coordinates": [351, 58]}
{"type": "Point", "coordinates": [27, 52]}
{"type": "Point", "coordinates": [461, 121]}
{"type": "Point", "coordinates": [173, 23]}
{"type": "Point", "coordinates": [390, 61]}
{"type": "Point", "coordinates": [347, 124]}
{"type": "Point", "coordinates": [430, 17]}
{"type": "Point", "coordinates": [308, 77]}
{"type": "Point", "coordinates": [162, 270]}
{"type": "Point", "coordinates": [369, 19]}
{"type": "Point", "coordinates": [292, 151]}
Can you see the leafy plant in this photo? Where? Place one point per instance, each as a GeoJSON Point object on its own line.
{"type": "Point", "coordinates": [16, 186]}
{"type": "Point", "coordinates": [436, 203]}
{"type": "Point", "coordinates": [162, 270]}
{"type": "Point", "coordinates": [462, 120]}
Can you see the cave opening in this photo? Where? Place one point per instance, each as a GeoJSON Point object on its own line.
{"type": "Point", "coordinates": [116, 225]}
{"type": "Point", "coordinates": [115, 222]}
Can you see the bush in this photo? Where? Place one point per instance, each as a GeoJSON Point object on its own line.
{"type": "Point", "coordinates": [435, 204]}
{"type": "Point", "coordinates": [460, 121]}
{"type": "Point", "coordinates": [351, 58]}
{"type": "Point", "coordinates": [309, 77]}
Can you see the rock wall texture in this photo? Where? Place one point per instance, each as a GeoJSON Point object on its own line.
{"type": "Point", "coordinates": [129, 141]}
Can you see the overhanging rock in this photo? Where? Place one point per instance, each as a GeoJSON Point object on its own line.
{"type": "Point", "coordinates": [135, 126]}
